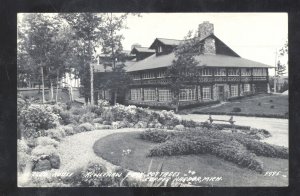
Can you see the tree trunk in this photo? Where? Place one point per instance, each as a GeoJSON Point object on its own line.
{"type": "Point", "coordinates": [115, 97]}
{"type": "Point", "coordinates": [177, 107]}
{"type": "Point", "coordinates": [92, 84]}
{"type": "Point", "coordinates": [43, 86]}
{"type": "Point", "coordinates": [56, 86]}
{"type": "Point", "coordinates": [275, 90]}
{"type": "Point", "coordinates": [71, 89]}
{"type": "Point", "coordinates": [51, 96]}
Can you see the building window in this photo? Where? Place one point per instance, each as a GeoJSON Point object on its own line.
{"type": "Point", "coordinates": [149, 95]}
{"type": "Point", "coordinates": [259, 72]}
{"type": "Point", "coordinates": [206, 93]}
{"type": "Point", "coordinates": [187, 94]}
{"type": "Point", "coordinates": [161, 74]}
{"type": "Point", "coordinates": [234, 90]}
{"type": "Point", "coordinates": [135, 94]}
{"type": "Point", "coordinates": [246, 72]}
{"type": "Point", "coordinates": [247, 88]}
{"type": "Point", "coordinates": [220, 72]}
{"type": "Point", "coordinates": [206, 72]}
{"type": "Point", "coordinates": [135, 77]}
{"type": "Point", "coordinates": [148, 75]}
{"type": "Point", "coordinates": [233, 72]}
{"type": "Point", "coordinates": [164, 95]}
{"type": "Point", "coordinates": [159, 49]}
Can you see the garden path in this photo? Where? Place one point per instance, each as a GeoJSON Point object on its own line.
{"type": "Point", "coordinates": [76, 151]}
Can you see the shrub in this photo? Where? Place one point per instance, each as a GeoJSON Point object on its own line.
{"type": "Point", "coordinates": [156, 135]}
{"type": "Point", "coordinates": [141, 124]}
{"type": "Point", "coordinates": [236, 109]}
{"type": "Point", "coordinates": [189, 123]}
{"type": "Point", "coordinates": [103, 103]}
{"type": "Point", "coordinates": [66, 117]}
{"type": "Point", "coordinates": [69, 130]}
{"type": "Point", "coordinates": [179, 128]}
{"type": "Point", "coordinates": [23, 159]}
{"type": "Point", "coordinates": [107, 123]}
{"type": "Point", "coordinates": [233, 151]}
{"type": "Point", "coordinates": [87, 117]}
{"type": "Point", "coordinates": [86, 127]}
{"type": "Point", "coordinates": [44, 150]}
{"type": "Point", "coordinates": [78, 111]}
{"type": "Point", "coordinates": [22, 146]}
{"type": "Point", "coordinates": [259, 104]}
{"type": "Point", "coordinates": [272, 107]}
{"type": "Point", "coordinates": [56, 134]}
{"type": "Point", "coordinates": [90, 176]}
{"type": "Point", "coordinates": [39, 117]}
{"type": "Point", "coordinates": [264, 149]}
{"type": "Point", "coordinates": [238, 148]}
{"type": "Point", "coordinates": [271, 100]}
{"type": "Point", "coordinates": [44, 141]}
{"type": "Point", "coordinates": [57, 109]}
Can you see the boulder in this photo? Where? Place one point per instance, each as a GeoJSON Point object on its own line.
{"type": "Point", "coordinates": [54, 161]}
{"type": "Point", "coordinates": [42, 165]}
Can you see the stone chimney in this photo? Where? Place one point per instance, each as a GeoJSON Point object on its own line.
{"type": "Point", "coordinates": [205, 29]}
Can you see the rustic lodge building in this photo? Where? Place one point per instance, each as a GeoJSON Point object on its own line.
{"type": "Point", "coordinates": [223, 74]}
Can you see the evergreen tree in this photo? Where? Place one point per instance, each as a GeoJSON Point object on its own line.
{"type": "Point", "coordinates": [183, 67]}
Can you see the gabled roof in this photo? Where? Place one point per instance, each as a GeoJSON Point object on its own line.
{"type": "Point", "coordinates": [165, 41]}
{"type": "Point", "coordinates": [161, 61]}
{"type": "Point", "coordinates": [141, 49]}
{"type": "Point", "coordinates": [102, 68]}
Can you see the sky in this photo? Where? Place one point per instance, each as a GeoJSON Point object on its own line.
{"type": "Point", "coordinates": [254, 36]}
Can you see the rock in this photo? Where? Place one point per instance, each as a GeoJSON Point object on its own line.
{"type": "Point", "coordinates": [179, 128]}
{"type": "Point", "coordinates": [54, 161]}
{"type": "Point", "coordinates": [42, 165]}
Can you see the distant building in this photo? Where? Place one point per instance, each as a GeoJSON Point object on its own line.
{"type": "Point", "coordinates": [223, 74]}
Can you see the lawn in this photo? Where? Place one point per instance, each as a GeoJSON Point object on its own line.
{"type": "Point", "coordinates": [264, 105]}
{"type": "Point", "coordinates": [204, 165]}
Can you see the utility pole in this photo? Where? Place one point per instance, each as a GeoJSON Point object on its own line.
{"type": "Point", "coordinates": [275, 75]}
{"type": "Point", "coordinates": [43, 88]}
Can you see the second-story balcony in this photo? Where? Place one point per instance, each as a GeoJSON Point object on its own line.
{"type": "Point", "coordinates": [201, 79]}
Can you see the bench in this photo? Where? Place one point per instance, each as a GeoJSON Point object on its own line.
{"type": "Point", "coordinates": [231, 121]}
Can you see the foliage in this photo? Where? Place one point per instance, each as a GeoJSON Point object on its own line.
{"type": "Point", "coordinates": [22, 146]}
{"type": "Point", "coordinates": [37, 118]}
{"type": "Point", "coordinates": [87, 117]}
{"type": "Point", "coordinates": [44, 150]}
{"type": "Point", "coordinates": [69, 130]}
{"type": "Point", "coordinates": [156, 135]}
{"type": "Point", "coordinates": [236, 109]}
{"type": "Point", "coordinates": [189, 123]}
{"type": "Point", "coordinates": [23, 158]}
{"type": "Point", "coordinates": [239, 148]}
{"type": "Point", "coordinates": [44, 141]}
{"type": "Point", "coordinates": [57, 133]}
{"type": "Point", "coordinates": [184, 66]}
{"type": "Point", "coordinates": [66, 117]}
{"type": "Point", "coordinates": [42, 44]}
{"type": "Point", "coordinates": [85, 127]}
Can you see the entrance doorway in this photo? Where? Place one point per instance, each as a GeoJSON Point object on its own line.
{"type": "Point", "coordinates": [221, 93]}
